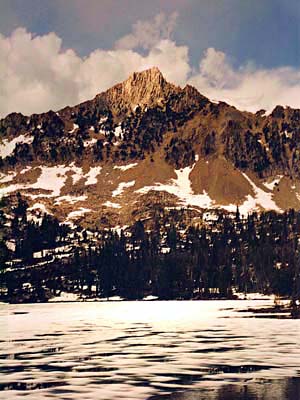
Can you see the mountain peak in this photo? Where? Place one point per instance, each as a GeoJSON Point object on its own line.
{"type": "Point", "coordinates": [152, 76]}
{"type": "Point", "coordinates": [145, 88]}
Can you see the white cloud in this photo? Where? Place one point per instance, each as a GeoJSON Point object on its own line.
{"type": "Point", "coordinates": [35, 74]}
{"type": "Point", "coordinates": [102, 68]}
{"type": "Point", "coordinates": [247, 87]}
{"type": "Point", "coordinates": [215, 69]}
{"type": "Point", "coordinates": [147, 33]}
{"type": "Point", "coordinates": [38, 74]}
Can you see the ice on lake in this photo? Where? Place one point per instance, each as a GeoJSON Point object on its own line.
{"type": "Point", "coordinates": [140, 350]}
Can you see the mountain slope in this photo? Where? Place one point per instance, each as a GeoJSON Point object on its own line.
{"type": "Point", "coordinates": [144, 145]}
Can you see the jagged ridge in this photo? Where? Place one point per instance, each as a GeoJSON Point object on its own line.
{"type": "Point", "coordinates": [158, 127]}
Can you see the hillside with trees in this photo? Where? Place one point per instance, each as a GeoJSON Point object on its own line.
{"type": "Point", "coordinates": [215, 259]}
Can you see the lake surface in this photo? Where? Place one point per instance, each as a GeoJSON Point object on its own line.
{"type": "Point", "coordinates": [183, 350]}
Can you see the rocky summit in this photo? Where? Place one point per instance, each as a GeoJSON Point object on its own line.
{"type": "Point", "coordinates": [145, 146]}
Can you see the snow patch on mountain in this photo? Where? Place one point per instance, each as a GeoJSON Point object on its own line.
{"type": "Point", "coordinates": [112, 205]}
{"type": "Point", "coordinates": [77, 173]}
{"type": "Point", "coordinates": [7, 147]}
{"type": "Point", "coordinates": [181, 187]}
{"type": "Point", "coordinates": [39, 206]}
{"type": "Point", "coordinates": [4, 191]}
{"type": "Point", "coordinates": [26, 169]}
{"type": "Point", "coordinates": [7, 177]}
{"type": "Point", "coordinates": [70, 199]}
{"type": "Point", "coordinates": [125, 167]}
{"type": "Point", "coordinates": [89, 142]}
{"type": "Point", "coordinates": [36, 212]}
{"type": "Point", "coordinates": [248, 206]}
{"type": "Point", "coordinates": [78, 213]}
{"type": "Point", "coordinates": [122, 186]}
{"type": "Point", "coordinates": [118, 131]}
{"type": "Point", "coordinates": [103, 119]}
{"type": "Point", "coordinates": [271, 185]}
{"type": "Point", "coordinates": [75, 126]}
{"type": "Point", "coordinates": [262, 200]}
{"type": "Point", "coordinates": [91, 176]}
{"type": "Point", "coordinates": [51, 178]}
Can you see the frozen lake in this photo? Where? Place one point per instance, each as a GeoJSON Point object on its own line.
{"type": "Point", "coordinates": [187, 350]}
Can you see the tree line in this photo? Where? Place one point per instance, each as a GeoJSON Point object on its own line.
{"type": "Point", "coordinates": [211, 260]}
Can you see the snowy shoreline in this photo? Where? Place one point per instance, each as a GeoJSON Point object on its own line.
{"type": "Point", "coordinates": [71, 297]}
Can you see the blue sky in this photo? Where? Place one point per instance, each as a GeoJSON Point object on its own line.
{"type": "Point", "coordinates": [264, 31]}
{"type": "Point", "coordinates": [223, 47]}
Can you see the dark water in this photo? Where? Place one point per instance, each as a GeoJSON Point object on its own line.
{"type": "Point", "coordinates": [261, 390]}
{"type": "Point", "coordinates": [142, 350]}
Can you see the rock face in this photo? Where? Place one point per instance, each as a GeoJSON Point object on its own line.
{"type": "Point", "coordinates": [145, 144]}
{"type": "Point", "coordinates": [144, 89]}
